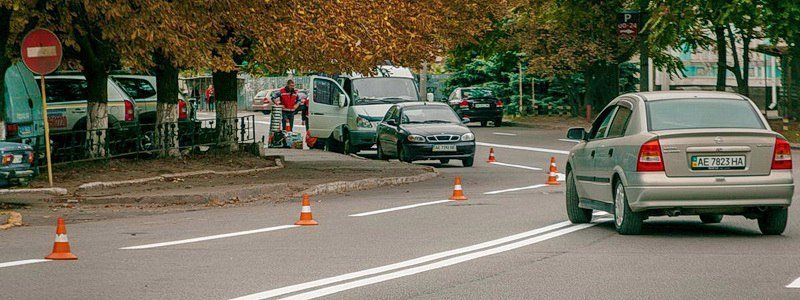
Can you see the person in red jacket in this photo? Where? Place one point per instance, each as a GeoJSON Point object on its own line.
{"type": "Point", "coordinates": [287, 98]}
{"type": "Point", "coordinates": [210, 98]}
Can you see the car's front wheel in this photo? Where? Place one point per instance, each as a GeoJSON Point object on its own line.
{"type": "Point", "coordinates": [710, 218]}
{"type": "Point", "coordinates": [626, 221]}
{"type": "Point", "coordinates": [444, 161]}
{"type": "Point", "coordinates": [484, 123]}
{"type": "Point", "coordinates": [402, 155]}
{"type": "Point", "coordinates": [773, 222]}
{"type": "Point", "coordinates": [468, 162]}
{"type": "Point", "coordinates": [498, 122]}
{"type": "Point", "coordinates": [575, 214]}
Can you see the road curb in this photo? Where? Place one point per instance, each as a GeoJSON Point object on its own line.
{"type": "Point", "coordinates": [43, 191]}
{"type": "Point", "coordinates": [188, 198]}
{"type": "Point", "coordinates": [364, 184]}
{"type": "Point", "coordinates": [108, 184]}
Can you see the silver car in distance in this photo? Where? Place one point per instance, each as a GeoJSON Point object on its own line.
{"type": "Point", "coordinates": [680, 153]}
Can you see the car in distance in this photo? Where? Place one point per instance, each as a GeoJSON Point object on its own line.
{"type": "Point", "coordinates": [680, 153]}
{"type": "Point", "coordinates": [425, 131]}
{"type": "Point", "coordinates": [478, 104]}
{"type": "Point", "coordinates": [262, 102]}
{"type": "Point", "coordinates": [17, 164]}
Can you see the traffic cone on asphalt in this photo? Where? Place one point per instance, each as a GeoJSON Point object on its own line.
{"type": "Point", "coordinates": [552, 177]}
{"type": "Point", "coordinates": [288, 128]}
{"type": "Point", "coordinates": [305, 214]}
{"type": "Point", "coordinates": [61, 245]}
{"type": "Point", "coordinates": [491, 156]}
{"type": "Point", "coordinates": [458, 192]}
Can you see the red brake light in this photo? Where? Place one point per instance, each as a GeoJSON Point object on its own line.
{"type": "Point", "coordinates": [129, 111]}
{"type": "Point", "coordinates": [463, 104]}
{"type": "Point", "coordinates": [650, 158]}
{"type": "Point", "coordinates": [499, 103]}
{"type": "Point", "coordinates": [12, 130]}
{"type": "Point", "coordinates": [782, 159]}
{"type": "Point", "coordinates": [7, 159]}
{"type": "Point", "coordinates": [183, 113]}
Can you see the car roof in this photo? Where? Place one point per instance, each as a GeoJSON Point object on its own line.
{"type": "Point", "coordinates": [420, 103]}
{"type": "Point", "coordinates": [673, 95]}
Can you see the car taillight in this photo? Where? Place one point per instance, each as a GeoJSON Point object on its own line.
{"type": "Point", "coordinates": [129, 110]}
{"type": "Point", "coordinates": [782, 159]}
{"type": "Point", "coordinates": [12, 130]}
{"type": "Point", "coordinates": [7, 159]}
{"type": "Point", "coordinates": [30, 158]}
{"type": "Point", "coordinates": [183, 113]}
{"type": "Point", "coordinates": [650, 159]}
{"type": "Point", "coordinates": [464, 104]}
{"type": "Point", "coordinates": [265, 100]}
{"type": "Point", "coordinates": [499, 103]}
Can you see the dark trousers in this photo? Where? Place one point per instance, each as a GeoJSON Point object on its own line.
{"type": "Point", "coordinates": [288, 118]}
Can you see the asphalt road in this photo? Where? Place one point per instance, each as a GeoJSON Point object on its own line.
{"type": "Point", "coordinates": [406, 242]}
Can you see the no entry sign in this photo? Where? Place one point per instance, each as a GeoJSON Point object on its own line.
{"type": "Point", "coordinates": [41, 51]}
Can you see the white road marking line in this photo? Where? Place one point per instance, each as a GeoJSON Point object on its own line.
{"type": "Point", "coordinates": [207, 238]}
{"type": "Point", "coordinates": [795, 284]}
{"type": "Point", "coordinates": [515, 189]}
{"type": "Point", "coordinates": [441, 264]}
{"type": "Point", "coordinates": [569, 141]}
{"type": "Point", "coordinates": [22, 262]}
{"type": "Point", "coordinates": [402, 264]}
{"type": "Point", "coordinates": [503, 133]}
{"type": "Point", "coordinates": [369, 213]}
{"type": "Point", "coordinates": [534, 149]}
{"type": "Point", "coordinates": [516, 166]}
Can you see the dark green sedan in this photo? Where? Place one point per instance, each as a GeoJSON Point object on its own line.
{"type": "Point", "coordinates": [414, 131]}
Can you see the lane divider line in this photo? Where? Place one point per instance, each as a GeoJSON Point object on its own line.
{"type": "Point", "coordinates": [22, 262]}
{"type": "Point", "coordinates": [441, 264]}
{"type": "Point", "coordinates": [516, 166]}
{"type": "Point", "coordinates": [208, 238]}
{"type": "Point", "coordinates": [375, 212]}
{"type": "Point", "coordinates": [795, 284]}
{"type": "Point", "coordinates": [503, 133]}
{"type": "Point", "coordinates": [534, 149]}
{"type": "Point", "coordinates": [569, 141]}
{"type": "Point", "coordinates": [403, 264]}
{"type": "Point", "coordinates": [515, 189]}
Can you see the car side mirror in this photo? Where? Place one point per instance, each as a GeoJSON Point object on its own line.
{"type": "Point", "coordinates": [391, 122]}
{"type": "Point", "coordinates": [577, 133]}
{"type": "Point", "coordinates": [429, 97]}
{"type": "Point", "coordinates": [464, 120]}
{"type": "Point", "coordinates": [342, 101]}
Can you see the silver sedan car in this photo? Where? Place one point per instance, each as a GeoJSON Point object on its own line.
{"type": "Point", "coordinates": [680, 153]}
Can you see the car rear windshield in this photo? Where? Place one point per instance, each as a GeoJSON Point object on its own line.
{"type": "Point", "coordinates": [701, 113]}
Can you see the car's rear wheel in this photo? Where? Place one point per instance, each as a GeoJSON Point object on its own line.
{"type": "Point", "coordinates": [626, 221]}
{"type": "Point", "coordinates": [444, 161]}
{"type": "Point", "coordinates": [498, 122]}
{"type": "Point", "coordinates": [575, 214]}
{"type": "Point", "coordinates": [773, 222]}
{"type": "Point", "coordinates": [710, 218]}
{"type": "Point", "coordinates": [484, 123]}
{"type": "Point", "coordinates": [468, 162]}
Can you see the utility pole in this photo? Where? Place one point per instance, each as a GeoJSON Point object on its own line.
{"type": "Point", "coordinates": [521, 107]}
{"type": "Point", "coordinates": [644, 61]}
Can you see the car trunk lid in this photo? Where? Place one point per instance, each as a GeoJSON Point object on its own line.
{"type": "Point", "coordinates": [702, 152]}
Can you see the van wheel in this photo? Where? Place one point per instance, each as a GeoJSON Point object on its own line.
{"type": "Point", "coordinates": [626, 221]}
{"type": "Point", "coordinates": [575, 214]}
{"type": "Point", "coordinates": [347, 147]}
{"type": "Point", "coordinates": [710, 218]}
{"type": "Point", "coordinates": [773, 222]}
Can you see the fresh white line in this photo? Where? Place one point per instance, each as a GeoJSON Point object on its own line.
{"type": "Point", "coordinates": [569, 141]}
{"type": "Point", "coordinates": [207, 238]}
{"type": "Point", "coordinates": [22, 262]}
{"type": "Point", "coordinates": [503, 133]}
{"type": "Point", "coordinates": [795, 284]}
{"type": "Point", "coordinates": [402, 264]}
{"type": "Point", "coordinates": [441, 264]}
{"type": "Point", "coordinates": [515, 189]}
{"type": "Point", "coordinates": [516, 166]}
{"type": "Point", "coordinates": [522, 148]}
{"type": "Point", "coordinates": [369, 213]}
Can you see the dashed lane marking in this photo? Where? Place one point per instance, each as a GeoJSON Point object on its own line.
{"type": "Point", "coordinates": [503, 133]}
{"type": "Point", "coordinates": [534, 149]}
{"type": "Point", "coordinates": [569, 141]}
{"type": "Point", "coordinates": [795, 284]}
{"type": "Point", "coordinates": [22, 262]}
{"type": "Point", "coordinates": [369, 213]}
{"type": "Point", "coordinates": [516, 166]}
{"type": "Point", "coordinates": [208, 238]}
{"type": "Point", "coordinates": [515, 189]}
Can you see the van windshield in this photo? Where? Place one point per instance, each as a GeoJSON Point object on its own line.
{"type": "Point", "coordinates": [384, 90]}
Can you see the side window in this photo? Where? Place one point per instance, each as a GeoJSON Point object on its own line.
{"type": "Point", "coordinates": [600, 126]}
{"type": "Point", "coordinates": [620, 122]}
{"type": "Point", "coordinates": [323, 91]}
{"type": "Point", "coordinates": [64, 90]}
{"type": "Point", "coordinates": [136, 88]}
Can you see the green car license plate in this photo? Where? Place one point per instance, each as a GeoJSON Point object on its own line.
{"type": "Point", "coordinates": [444, 148]}
{"type": "Point", "coordinates": [718, 162]}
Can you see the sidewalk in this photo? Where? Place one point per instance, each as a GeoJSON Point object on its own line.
{"type": "Point", "coordinates": [300, 171]}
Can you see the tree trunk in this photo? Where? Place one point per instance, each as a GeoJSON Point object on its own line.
{"type": "Point", "coordinates": [98, 133]}
{"type": "Point", "coordinates": [225, 88]}
{"type": "Point", "coordinates": [722, 57]}
{"type": "Point", "coordinates": [738, 70]}
{"type": "Point", "coordinates": [5, 62]}
{"type": "Point", "coordinates": [744, 87]}
{"type": "Point", "coordinates": [166, 129]}
{"type": "Point", "coordinates": [423, 82]}
{"type": "Point", "coordinates": [602, 84]}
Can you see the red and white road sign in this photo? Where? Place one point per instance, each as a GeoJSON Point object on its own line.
{"type": "Point", "coordinates": [41, 51]}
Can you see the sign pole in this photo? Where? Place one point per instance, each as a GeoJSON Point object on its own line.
{"type": "Point", "coordinates": [46, 133]}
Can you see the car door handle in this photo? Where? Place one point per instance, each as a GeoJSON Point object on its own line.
{"type": "Point", "coordinates": [610, 152]}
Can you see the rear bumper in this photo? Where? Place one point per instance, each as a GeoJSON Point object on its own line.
{"type": "Point", "coordinates": [661, 192]}
{"type": "Point", "coordinates": [481, 115]}
{"type": "Point", "coordinates": [260, 107]}
{"type": "Point", "coordinates": [423, 151]}
{"type": "Point", "coordinates": [13, 174]}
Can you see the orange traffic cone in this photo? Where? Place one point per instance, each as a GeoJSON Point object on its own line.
{"type": "Point", "coordinates": [61, 245]}
{"type": "Point", "coordinates": [458, 193]}
{"type": "Point", "coordinates": [305, 214]}
{"type": "Point", "coordinates": [288, 128]}
{"type": "Point", "coordinates": [491, 156]}
{"type": "Point", "coordinates": [552, 178]}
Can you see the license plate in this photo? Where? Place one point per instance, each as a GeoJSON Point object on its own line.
{"type": "Point", "coordinates": [25, 130]}
{"type": "Point", "coordinates": [718, 162]}
{"type": "Point", "coordinates": [444, 148]}
{"type": "Point", "coordinates": [482, 105]}
{"type": "Point", "coordinates": [17, 159]}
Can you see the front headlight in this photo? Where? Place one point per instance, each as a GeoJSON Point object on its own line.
{"type": "Point", "coordinates": [468, 137]}
{"type": "Point", "coordinates": [362, 122]}
{"type": "Point", "coordinates": [416, 138]}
